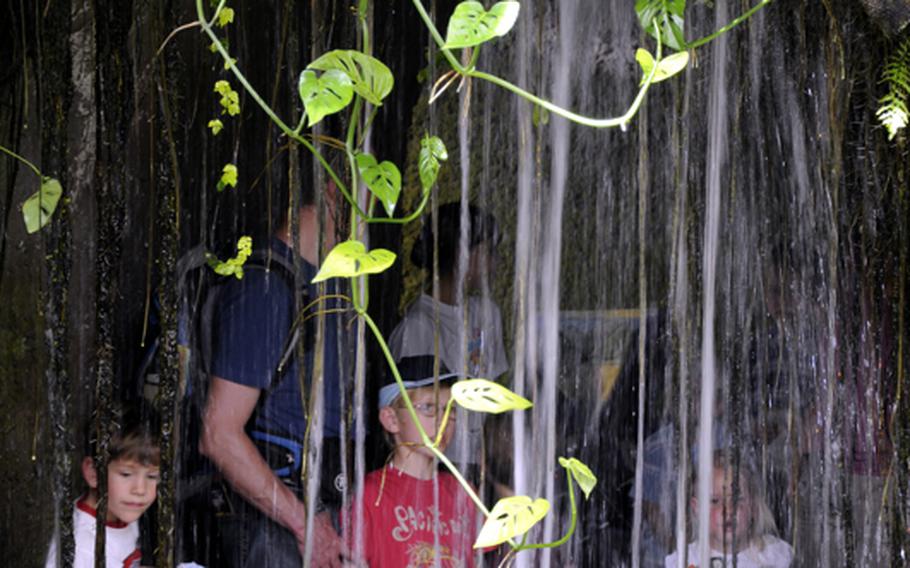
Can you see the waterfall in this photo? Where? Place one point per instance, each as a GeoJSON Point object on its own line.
{"type": "Point", "coordinates": [725, 278]}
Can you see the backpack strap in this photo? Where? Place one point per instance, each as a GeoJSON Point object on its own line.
{"type": "Point", "coordinates": [269, 260]}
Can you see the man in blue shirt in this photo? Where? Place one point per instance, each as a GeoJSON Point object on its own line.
{"type": "Point", "coordinates": [251, 404]}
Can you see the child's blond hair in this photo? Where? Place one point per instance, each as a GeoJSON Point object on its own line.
{"type": "Point", "coordinates": [761, 520]}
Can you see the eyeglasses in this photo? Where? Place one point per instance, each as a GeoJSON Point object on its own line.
{"type": "Point", "coordinates": [431, 409]}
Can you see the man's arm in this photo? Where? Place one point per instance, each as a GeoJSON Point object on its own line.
{"type": "Point", "coordinates": [224, 441]}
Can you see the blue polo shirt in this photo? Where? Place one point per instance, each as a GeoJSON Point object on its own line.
{"type": "Point", "coordinates": [254, 320]}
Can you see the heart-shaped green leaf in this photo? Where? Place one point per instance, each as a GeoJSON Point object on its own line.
{"type": "Point", "coordinates": [38, 208]}
{"type": "Point", "coordinates": [582, 474]}
{"type": "Point", "coordinates": [666, 67]}
{"type": "Point", "coordinates": [384, 180]}
{"type": "Point", "coordinates": [324, 95]}
{"type": "Point", "coordinates": [370, 78]}
{"type": "Point", "coordinates": [482, 395]}
{"type": "Point", "coordinates": [432, 151]}
{"type": "Point", "coordinates": [351, 258]}
{"type": "Point", "coordinates": [471, 25]}
{"type": "Point", "coordinates": [651, 15]}
{"type": "Point", "coordinates": [511, 517]}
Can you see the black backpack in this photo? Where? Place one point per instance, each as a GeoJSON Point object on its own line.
{"type": "Point", "coordinates": [199, 492]}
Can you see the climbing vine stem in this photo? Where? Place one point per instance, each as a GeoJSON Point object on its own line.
{"type": "Point", "coordinates": [33, 167]}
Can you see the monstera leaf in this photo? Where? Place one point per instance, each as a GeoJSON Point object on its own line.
{"type": "Point", "coordinates": [511, 517]}
{"type": "Point", "coordinates": [324, 95]}
{"type": "Point", "coordinates": [432, 151]}
{"type": "Point", "coordinates": [384, 180]}
{"type": "Point", "coordinates": [482, 395]}
{"type": "Point", "coordinates": [38, 208]}
{"type": "Point", "coordinates": [666, 67]}
{"type": "Point", "coordinates": [472, 25]}
{"type": "Point", "coordinates": [666, 16]}
{"type": "Point", "coordinates": [351, 258]}
{"type": "Point", "coordinates": [581, 473]}
{"type": "Point", "coordinates": [370, 78]}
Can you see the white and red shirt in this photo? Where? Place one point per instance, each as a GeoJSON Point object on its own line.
{"type": "Point", "coordinates": [120, 541]}
{"type": "Point", "coordinates": [401, 521]}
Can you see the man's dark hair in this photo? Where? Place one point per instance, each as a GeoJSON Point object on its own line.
{"type": "Point", "coordinates": [483, 228]}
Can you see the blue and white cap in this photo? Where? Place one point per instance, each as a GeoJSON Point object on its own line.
{"type": "Point", "coordinates": [415, 372]}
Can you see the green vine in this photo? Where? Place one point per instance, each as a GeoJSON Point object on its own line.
{"type": "Point", "coordinates": [893, 111]}
{"type": "Point", "coordinates": [38, 208]}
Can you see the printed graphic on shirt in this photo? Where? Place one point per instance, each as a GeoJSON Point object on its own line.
{"type": "Point", "coordinates": [423, 554]}
{"type": "Point", "coordinates": [411, 523]}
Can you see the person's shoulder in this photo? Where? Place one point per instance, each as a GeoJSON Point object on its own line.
{"type": "Point", "coordinates": [417, 323]}
{"type": "Point", "coordinates": [671, 560]}
{"type": "Point", "coordinates": [422, 308]}
{"type": "Point", "coordinates": [449, 484]}
{"type": "Point", "coordinates": [776, 549]}
{"type": "Point", "coordinates": [373, 482]}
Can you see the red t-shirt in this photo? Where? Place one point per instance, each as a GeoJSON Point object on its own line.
{"type": "Point", "coordinates": [399, 521]}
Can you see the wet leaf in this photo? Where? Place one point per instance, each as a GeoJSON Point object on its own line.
{"type": "Point", "coordinates": [38, 208]}
{"type": "Point", "coordinates": [894, 118]}
{"type": "Point", "coordinates": [540, 116]}
{"type": "Point", "coordinates": [383, 179]}
{"type": "Point", "coordinates": [432, 151]}
{"type": "Point", "coordinates": [225, 16]}
{"type": "Point", "coordinates": [667, 16]}
{"type": "Point", "coordinates": [511, 517]}
{"type": "Point", "coordinates": [370, 78]}
{"type": "Point", "coordinates": [666, 68]}
{"type": "Point", "coordinates": [228, 177]}
{"type": "Point", "coordinates": [471, 25]}
{"type": "Point", "coordinates": [232, 266]}
{"type": "Point", "coordinates": [324, 95]}
{"type": "Point", "coordinates": [216, 126]}
{"type": "Point", "coordinates": [482, 395]}
{"type": "Point", "coordinates": [350, 259]}
{"type": "Point", "coordinates": [230, 100]}
{"type": "Point", "coordinates": [582, 474]}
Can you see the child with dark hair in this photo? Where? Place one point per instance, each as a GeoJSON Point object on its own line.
{"type": "Point", "coordinates": [132, 485]}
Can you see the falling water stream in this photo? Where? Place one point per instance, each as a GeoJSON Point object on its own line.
{"type": "Point", "coordinates": [717, 130]}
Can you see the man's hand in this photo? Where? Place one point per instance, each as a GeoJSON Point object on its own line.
{"type": "Point", "coordinates": [328, 548]}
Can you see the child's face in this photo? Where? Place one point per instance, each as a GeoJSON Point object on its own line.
{"type": "Point", "coordinates": [430, 410]}
{"type": "Point", "coordinates": [131, 489]}
{"type": "Point", "coordinates": [724, 509]}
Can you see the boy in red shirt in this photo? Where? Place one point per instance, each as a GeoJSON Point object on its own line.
{"type": "Point", "coordinates": [412, 513]}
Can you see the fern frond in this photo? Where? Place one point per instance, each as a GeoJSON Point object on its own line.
{"type": "Point", "coordinates": [892, 111]}
{"type": "Point", "coordinates": [893, 114]}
